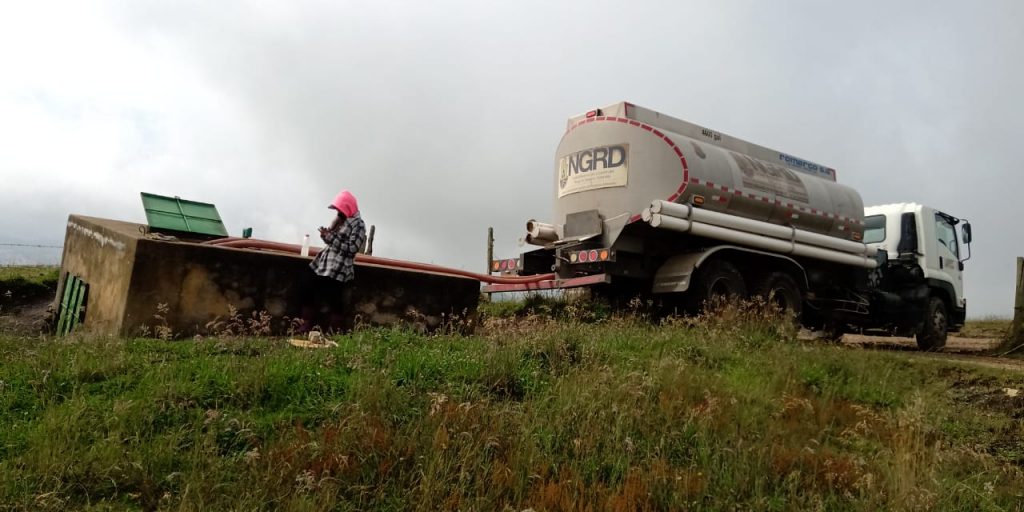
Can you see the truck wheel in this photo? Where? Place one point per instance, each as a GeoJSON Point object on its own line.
{"type": "Point", "coordinates": [831, 332]}
{"type": "Point", "coordinates": [936, 322]}
{"type": "Point", "coordinates": [780, 289]}
{"type": "Point", "coordinates": [717, 278]}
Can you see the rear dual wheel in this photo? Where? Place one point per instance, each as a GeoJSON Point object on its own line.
{"type": "Point", "coordinates": [715, 281]}
{"type": "Point", "coordinates": [721, 280]}
{"type": "Point", "coordinates": [782, 291]}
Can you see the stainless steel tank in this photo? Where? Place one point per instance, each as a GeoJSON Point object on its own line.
{"type": "Point", "coordinates": [619, 158]}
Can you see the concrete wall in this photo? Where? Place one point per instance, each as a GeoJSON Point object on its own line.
{"type": "Point", "coordinates": [199, 284]}
{"type": "Point", "coordinates": [101, 252]}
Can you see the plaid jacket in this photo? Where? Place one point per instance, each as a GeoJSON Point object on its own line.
{"type": "Point", "coordinates": [337, 259]}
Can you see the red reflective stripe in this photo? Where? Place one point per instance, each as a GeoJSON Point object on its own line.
{"type": "Point", "coordinates": [661, 135]}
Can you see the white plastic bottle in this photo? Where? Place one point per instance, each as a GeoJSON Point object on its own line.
{"type": "Point", "coordinates": [305, 245]}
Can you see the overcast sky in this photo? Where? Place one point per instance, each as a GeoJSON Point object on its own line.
{"type": "Point", "coordinates": [443, 117]}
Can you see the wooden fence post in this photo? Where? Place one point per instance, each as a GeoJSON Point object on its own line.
{"type": "Point", "coordinates": [490, 249]}
{"type": "Point", "coordinates": [490, 255]}
{"type": "Point", "coordinates": [1015, 338]}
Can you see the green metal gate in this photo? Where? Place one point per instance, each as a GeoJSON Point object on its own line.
{"type": "Point", "coordinates": [72, 304]}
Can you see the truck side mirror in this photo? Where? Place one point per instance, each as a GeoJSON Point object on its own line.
{"type": "Point", "coordinates": [966, 232]}
{"type": "Point", "coordinates": [908, 234]}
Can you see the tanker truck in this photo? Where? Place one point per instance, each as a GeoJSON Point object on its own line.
{"type": "Point", "coordinates": [647, 204]}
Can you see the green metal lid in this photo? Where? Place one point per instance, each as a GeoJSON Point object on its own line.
{"type": "Point", "coordinates": [176, 214]}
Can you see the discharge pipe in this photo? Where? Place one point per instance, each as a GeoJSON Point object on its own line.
{"type": "Point", "coordinates": [383, 262]}
{"type": "Point", "coordinates": [757, 227]}
{"type": "Point", "coordinates": [658, 220]}
{"type": "Point", "coordinates": [541, 231]}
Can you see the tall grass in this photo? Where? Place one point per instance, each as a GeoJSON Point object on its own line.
{"type": "Point", "coordinates": [586, 412]}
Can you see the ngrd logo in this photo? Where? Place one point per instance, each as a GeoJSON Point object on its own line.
{"type": "Point", "coordinates": [601, 158]}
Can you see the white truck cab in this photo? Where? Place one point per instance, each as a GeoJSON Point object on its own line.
{"type": "Point", "coordinates": [914, 233]}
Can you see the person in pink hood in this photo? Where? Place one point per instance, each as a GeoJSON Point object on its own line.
{"type": "Point", "coordinates": [344, 238]}
{"type": "Point", "coordinates": [335, 264]}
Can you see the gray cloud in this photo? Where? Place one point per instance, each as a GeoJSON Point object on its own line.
{"type": "Point", "coordinates": [443, 117]}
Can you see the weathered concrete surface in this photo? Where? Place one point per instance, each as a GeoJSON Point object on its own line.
{"type": "Point", "coordinates": [102, 253]}
{"type": "Point", "coordinates": [199, 284]}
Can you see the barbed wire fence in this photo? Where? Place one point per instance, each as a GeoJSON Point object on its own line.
{"type": "Point", "coordinates": [21, 253]}
{"type": "Point", "coordinates": [32, 245]}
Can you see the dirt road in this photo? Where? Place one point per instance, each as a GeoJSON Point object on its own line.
{"type": "Point", "coordinates": [24, 320]}
{"type": "Point", "coordinates": [961, 350]}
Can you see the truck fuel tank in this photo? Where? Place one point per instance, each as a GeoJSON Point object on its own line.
{"type": "Point", "coordinates": [617, 159]}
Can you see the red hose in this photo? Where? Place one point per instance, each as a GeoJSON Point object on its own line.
{"type": "Point", "coordinates": [384, 262]}
{"type": "Point", "coordinates": [249, 243]}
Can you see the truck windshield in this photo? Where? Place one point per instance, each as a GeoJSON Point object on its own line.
{"type": "Point", "coordinates": [874, 229]}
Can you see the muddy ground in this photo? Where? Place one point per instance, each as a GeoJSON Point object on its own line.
{"type": "Point", "coordinates": [25, 319]}
{"type": "Point", "coordinates": [968, 350]}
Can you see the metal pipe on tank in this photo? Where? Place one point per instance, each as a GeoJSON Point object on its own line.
{"type": "Point", "coordinates": [758, 241]}
{"type": "Point", "coordinates": [684, 211]}
{"type": "Point", "coordinates": [542, 231]}
{"type": "Point", "coordinates": [820, 253]}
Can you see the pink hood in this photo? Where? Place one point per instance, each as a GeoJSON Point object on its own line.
{"type": "Point", "coordinates": [345, 203]}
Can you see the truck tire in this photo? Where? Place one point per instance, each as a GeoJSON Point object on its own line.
{"type": "Point", "coordinates": [832, 332]}
{"type": "Point", "coordinates": [932, 336]}
{"type": "Point", "coordinates": [780, 289]}
{"type": "Point", "coordinates": [714, 279]}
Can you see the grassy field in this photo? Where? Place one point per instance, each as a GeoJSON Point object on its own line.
{"type": "Point", "coordinates": [578, 413]}
{"type": "Point", "coordinates": [20, 284]}
{"type": "Point", "coordinates": [988, 327]}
